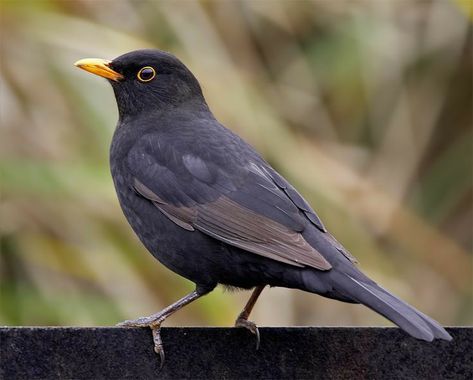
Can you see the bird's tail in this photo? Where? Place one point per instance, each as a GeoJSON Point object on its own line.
{"type": "Point", "coordinates": [409, 319]}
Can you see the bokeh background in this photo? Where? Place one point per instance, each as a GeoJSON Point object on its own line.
{"type": "Point", "coordinates": [364, 105]}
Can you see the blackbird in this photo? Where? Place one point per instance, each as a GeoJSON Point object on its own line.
{"type": "Point", "coordinates": [211, 209]}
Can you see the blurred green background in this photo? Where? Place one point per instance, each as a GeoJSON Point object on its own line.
{"type": "Point", "coordinates": [365, 106]}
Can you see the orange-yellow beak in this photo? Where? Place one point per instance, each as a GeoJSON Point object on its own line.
{"type": "Point", "coordinates": [99, 67]}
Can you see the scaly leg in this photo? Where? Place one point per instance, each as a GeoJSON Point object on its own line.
{"type": "Point", "coordinates": [242, 320]}
{"type": "Point", "coordinates": [154, 321]}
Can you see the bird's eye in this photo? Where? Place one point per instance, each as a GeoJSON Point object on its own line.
{"type": "Point", "coordinates": [146, 74]}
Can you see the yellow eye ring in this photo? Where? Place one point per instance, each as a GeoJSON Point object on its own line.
{"type": "Point", "coordinates": [146, 74]}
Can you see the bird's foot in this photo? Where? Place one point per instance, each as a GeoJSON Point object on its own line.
{"type": "Point", "coordinates": [251, 326]}
{"type": "Point", "coordinates": [154, 323]}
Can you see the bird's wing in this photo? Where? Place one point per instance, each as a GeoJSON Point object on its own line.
{"type": "Point", "coordinates": [243, 206]}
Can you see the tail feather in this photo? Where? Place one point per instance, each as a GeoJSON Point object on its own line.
{"type": "Point", "coordinates": [438, 331]}
{"type": "Point", "coordinates": [402, 314]}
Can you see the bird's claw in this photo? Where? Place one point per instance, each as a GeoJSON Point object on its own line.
{"type": "Point", "coordinates": [158, 343]}
{"type": "Point", "coordinates": [155, 325]}
{"type": "Point", "coordinates": [251, 326]}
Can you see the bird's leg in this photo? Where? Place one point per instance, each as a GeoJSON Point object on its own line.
{"type": "Point", "coordinates": [242, 320]}
{"type": "Point", "coordinates": [154, 321]}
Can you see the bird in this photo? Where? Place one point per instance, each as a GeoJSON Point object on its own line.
{"type": "Point", "coordinates": [208, 206]}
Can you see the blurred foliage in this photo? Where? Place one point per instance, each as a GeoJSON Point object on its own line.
{"type": "Point", "coordinates": [365, 105]}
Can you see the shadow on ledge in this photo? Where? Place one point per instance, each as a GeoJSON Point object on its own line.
{"type": "Point", "coordinates": [228, 353]}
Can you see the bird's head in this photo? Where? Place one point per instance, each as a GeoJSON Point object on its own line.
{"type": "Point", "coordinates": [146, 80]}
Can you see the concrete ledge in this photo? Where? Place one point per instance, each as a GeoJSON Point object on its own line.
{"type": "Point", "coordinates": [228, 353]}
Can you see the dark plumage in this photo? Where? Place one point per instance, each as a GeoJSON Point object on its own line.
{"type": "Point", "coordinates": [211, 209]}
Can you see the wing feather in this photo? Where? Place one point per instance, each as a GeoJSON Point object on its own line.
{"type": "Point", "coordinates": [236, 225]}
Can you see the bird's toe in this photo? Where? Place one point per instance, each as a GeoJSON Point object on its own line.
{"type": "Point", "coordinates": [251, 326]}
{"type": "Point", "coordinates": [158, 343]}
{"type": "Point", "coordinates": [139, 322]}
